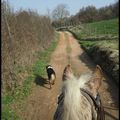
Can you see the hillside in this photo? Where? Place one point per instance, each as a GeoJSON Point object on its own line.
{"type": "Point", "coordinates": [101, 29]}
{"type": "Point", "coordinates": [100, 40]}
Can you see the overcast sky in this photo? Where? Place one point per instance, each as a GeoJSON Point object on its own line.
{"type": "Point", "coordinates": [43, 5]}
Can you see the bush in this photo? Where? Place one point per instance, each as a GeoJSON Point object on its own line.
{"type": "Point", "coordinates": [24, 35]}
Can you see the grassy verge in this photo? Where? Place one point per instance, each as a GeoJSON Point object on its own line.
{"type": "Point", "coordinates": [105, 44]}
{"type": "Point", "coordinates": [21, 92]}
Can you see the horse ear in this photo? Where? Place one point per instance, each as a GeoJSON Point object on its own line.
{"type": "Point", "coordinates": [67, 72]}
{"type": "Point", "coordinates": [97, 78]}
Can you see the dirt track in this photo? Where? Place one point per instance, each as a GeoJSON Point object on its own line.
{"type": "Point", "coordinates": [42, 102]}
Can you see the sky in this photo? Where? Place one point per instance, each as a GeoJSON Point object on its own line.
{"type": "Point", "coordinates": [43, 6]}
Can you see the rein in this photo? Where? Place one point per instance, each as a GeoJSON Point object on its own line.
{"type": "Point", "coordinates": [97, 103]}
{"type": "Point", "coordinates": [92, 100]}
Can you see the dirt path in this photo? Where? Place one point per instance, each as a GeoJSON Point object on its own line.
{"type": "Point", "coordinates": [42, 102]}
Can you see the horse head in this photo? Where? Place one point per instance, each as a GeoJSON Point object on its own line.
{"type": "Point", "coordinates": [80, 99]}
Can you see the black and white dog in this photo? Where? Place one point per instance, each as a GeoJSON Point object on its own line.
{"type": "Point", "coordinates": [51, 75]}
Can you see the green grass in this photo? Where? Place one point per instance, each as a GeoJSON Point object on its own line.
{"type": "Point", "coordinates": [102, 34]}
{"type": "Point", "coordinates": [106, 44]}
{"type": "Point", "coordinates": [101, 28]}
{"type": "Point", "coordinates": [110, 44]}
{"type": "Point", "coordinates": [21, 92]}
{"type": "Point", "coordinates": [8, 114]}
{"type": "Point", "coordinates": [87, 45]}
{"type": "Point", "coordinates": [97, 29]}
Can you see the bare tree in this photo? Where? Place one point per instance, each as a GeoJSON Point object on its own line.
{"type": "Point", "coordinates": [60, 12]}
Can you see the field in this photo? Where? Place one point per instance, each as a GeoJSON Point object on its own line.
{"type": "Point", "coordinates": [103, 32]}
{"type": "Point", "coordinates": [101, 28]}
{"type": "Point", "coordinates": [106, 28]}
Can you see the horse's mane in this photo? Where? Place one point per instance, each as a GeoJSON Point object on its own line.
{"type": "Point", "coordinates": [75, 105]}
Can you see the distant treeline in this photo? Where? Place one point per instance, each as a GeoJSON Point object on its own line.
{"type": "Point", "coordinates": [24, 35]}
{"type": "Point", "coordinates": [90, 14]}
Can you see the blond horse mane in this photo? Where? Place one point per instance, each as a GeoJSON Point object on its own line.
{"type": "Point", "coordinates": [76, 107]}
